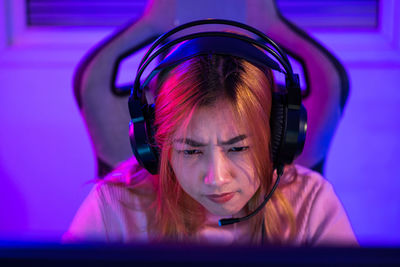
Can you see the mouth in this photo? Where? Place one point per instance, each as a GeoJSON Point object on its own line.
{"type": "Point", "coordinates": [221, 198]}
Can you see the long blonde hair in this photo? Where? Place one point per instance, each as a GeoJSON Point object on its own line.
{"type": "Point", "coordinates": [198, 82]}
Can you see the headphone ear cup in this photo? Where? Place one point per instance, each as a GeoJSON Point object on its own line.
{"type": "Point", "coordinates": [151, 130]}
{"type": "Point", "coordinates": [278, 125]}
{"type": "Point", "coordinates": [141, 134]}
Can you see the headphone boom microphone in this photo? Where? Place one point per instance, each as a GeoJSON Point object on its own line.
{"type": "Point", "coordinates": [229, 221]}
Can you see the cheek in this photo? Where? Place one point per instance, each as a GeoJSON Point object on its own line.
{"type": "Point", "coordinates": [245, 168]}
{"type": "Point", "coordinates": [185, 174]}
{"type": "Point", "coordinates": [256, 185]}
{"type": "Point", "coordinates": [188, 184]}
{"type": "Point", "coordinates": [250, 182]}
{"type": "Point", "coordinates": [248, 177]}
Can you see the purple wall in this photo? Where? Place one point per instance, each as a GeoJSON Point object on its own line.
{"type": "Point", "coordinates": [45, 153]}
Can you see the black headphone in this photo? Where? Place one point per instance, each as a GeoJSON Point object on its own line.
{"type": "Point", "coordinates": [288, 120]}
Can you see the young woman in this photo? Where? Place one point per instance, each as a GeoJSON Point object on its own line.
{"type": "Point", "coordinates": [212, 131]}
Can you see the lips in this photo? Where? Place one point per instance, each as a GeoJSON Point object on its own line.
{"type": "Point", "coordinates": [221, 198]}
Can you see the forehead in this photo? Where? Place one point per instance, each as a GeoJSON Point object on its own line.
{"type": "Point", "coordinates": [218, 122]}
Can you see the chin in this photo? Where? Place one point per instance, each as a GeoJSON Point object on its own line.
{"type": "Point", "coordinates": [223, 211]}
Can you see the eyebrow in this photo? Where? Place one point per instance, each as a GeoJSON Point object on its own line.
{"type": "Point", "coordinates": [194, 143]}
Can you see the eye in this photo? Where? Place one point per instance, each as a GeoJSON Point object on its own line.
{"type": "Point", "coordinates": [189, 152]}
{"type": "Point", "coordinates": [238, 149]}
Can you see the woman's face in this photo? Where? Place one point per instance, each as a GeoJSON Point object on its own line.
{"type": "Point", "coordinates": [212, 162]}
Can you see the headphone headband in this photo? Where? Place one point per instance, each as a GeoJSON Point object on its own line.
{"type": "Point", "coordinates": [204, 44]}
{"type": "Point", "coordinates": [236, 24]}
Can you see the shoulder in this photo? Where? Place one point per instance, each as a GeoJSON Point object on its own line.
{"type": "Point", "coordinates": [300, 183]}
{"type": "Point", "coordinates": [114, 211]}
{"type": "Point", "coordinates": [304, 188]}
{"type": "Point", "coordinates": [129, 185]}
{"type": "Point", "coordinates": [128, 182]}
{"type": "Point", "coordinates": [319, 214]}
{"type": "Point", "coordinates": [111, 195]}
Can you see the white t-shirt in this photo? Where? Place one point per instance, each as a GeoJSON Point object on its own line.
{"type": "Point", "coordinates": [112, 213]}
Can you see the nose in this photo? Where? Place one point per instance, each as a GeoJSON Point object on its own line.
{"type": "Point", "coordinates": [219, 170]}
